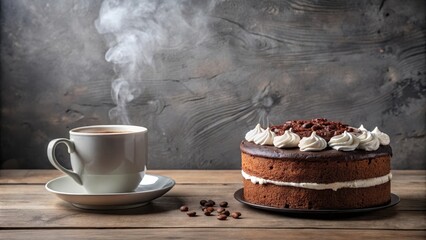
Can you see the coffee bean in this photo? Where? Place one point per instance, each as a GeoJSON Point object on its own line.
{"type": "Point", "coordinates": [222, 217]}
{"type": "Point", "coordinates": [223, 204]}
{"type": "Point", "coordinates": [212, 202]}
{"type": "Point", "coordinates": [226, 212]}
{"type": "Point", "coordinates": [208, 204]}
{"type": "Point", "coordinates": [191, 214]}
{"type": "Point", "coordinates": [307, 125]}
{"type": "Point", "coordinates": [207, 213]}
{"type": "Point", "coordinates": [236, 215]}
{"type": "Point", "coordinates": [209, 209]}
{"type": "Point", "coordinates": [220, 210]}
{"type": "Point", "coordinates": [184, 208]}
{"type": "Point", "coordinates": [202, 202]}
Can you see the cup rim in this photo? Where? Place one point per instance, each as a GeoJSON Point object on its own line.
{"type": "Point", "coordinates": [131, 128]}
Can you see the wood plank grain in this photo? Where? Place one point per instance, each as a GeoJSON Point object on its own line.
{"type": "Point", "coordinates": [30, 206]}
{"type": "Point", "coordinates": [210, 233]}
{"type": "Point", "coordinates": [151, 217]}
{"type": "Point", "coordinates": [180, 176]}
{"type": "Point", "coordinates": [13, 198]}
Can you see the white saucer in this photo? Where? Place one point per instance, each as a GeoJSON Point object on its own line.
{"type": "Point", "coordinates": [150, 188]}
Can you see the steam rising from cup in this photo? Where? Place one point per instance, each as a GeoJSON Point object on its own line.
{"type": "Point", "coordinates": [136, 31]}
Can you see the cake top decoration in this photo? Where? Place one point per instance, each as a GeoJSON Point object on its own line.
{"type": "Point", "coordinates": [368, 141]}
{"type": "Point", "coordinates": [318, 134]}
{"type": "Point", "coordinates": [287, 140]}
{"type": "Point", "coordinates": [252, 133]}
{"type": "Point", "coordinates": [265, 137]}
{"type": "Point", "coordinates": [344, 142]}
{"type": "Point", "coordinates": [383, 137]}
{"type": "Point", "coordinates": [312, 143]}
{"type": "Point", "coordinates": [323, 128]}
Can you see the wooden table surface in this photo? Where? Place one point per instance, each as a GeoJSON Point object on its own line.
{"type": "Point", "coordinates": [28, 211]}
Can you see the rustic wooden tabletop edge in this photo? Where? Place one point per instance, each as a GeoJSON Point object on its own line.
{"type": "Point", "coordinates": [214, 227]}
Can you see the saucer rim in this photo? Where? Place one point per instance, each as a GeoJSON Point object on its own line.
{"type": "Point", "coordinates": [168, 186]}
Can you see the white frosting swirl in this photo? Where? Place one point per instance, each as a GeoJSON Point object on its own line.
{"type": "Point", "coordinates": [265, 138]}
{"type": "Point", "coordinates": [312, 143]}
{"type": "Point", "coordinates": [362, 128]}
{"type": "Point", "coordinates": [287, 140]}
{"type": "Point", "coordinates": [344, 142]}
{"type": "Point", "coordinates": [368, 141]}
{"type": "Point", "coordinates": [250, 135]}
{"type": "Point", "coordinates": [383, 137]}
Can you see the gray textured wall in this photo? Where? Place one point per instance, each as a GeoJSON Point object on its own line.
{"type": "Point", "coordinates": [200, 74]}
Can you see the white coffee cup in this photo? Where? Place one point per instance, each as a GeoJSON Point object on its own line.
{"type": "Point", "coordinates": [105, 158]}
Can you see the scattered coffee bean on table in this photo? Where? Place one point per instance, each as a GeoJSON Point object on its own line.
{"type": "Point", "coordinates": [191, 214]}
{"type": "Point", "coordinates": [209, 209]}
{"type": "Point", "coordinates": [236, 215]}
{"type": "Point", "coordinates": [220, 210]}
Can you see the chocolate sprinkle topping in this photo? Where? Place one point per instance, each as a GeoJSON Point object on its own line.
{"type": "Point", "coordinates": [324, 128]}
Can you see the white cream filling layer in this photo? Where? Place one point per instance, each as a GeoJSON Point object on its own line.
{"type": "Point", "coordinates": [362, 183]}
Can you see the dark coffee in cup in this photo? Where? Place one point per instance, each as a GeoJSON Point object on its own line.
{"type": "Point", "coordinates": [103, 131]}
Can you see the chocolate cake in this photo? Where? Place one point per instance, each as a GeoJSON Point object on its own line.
{"type": "Point", "coordinates": [316, 164]}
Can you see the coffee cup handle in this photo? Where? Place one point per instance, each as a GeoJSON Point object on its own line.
{"type": "Point", "coordinates": [52, 158]}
